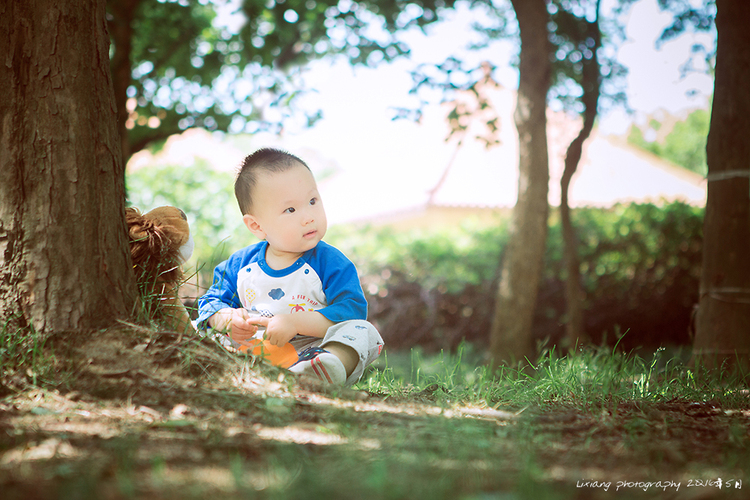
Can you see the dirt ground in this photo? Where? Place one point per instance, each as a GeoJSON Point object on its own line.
{"type": "Point", "coordinates": [132, 414]}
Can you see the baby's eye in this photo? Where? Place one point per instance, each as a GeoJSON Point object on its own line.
{"type": "Point", "coordinates": [289, 210]}
{"type": "Point", "coordinates": [313, 201]}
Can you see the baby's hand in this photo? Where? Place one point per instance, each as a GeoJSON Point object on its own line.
{"type": "Point", "coordinates": [236, 322]}
{"type": "Point", "coordinates": [279, 330]}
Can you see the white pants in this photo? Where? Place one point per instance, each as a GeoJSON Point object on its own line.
{"type": "Point", "coordinates": [358, 334]}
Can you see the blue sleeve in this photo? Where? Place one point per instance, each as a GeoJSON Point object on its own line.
{"type": "Point", "coordinates": [341, 284]}
{"type": "Point", "coordinates": [223, 291]}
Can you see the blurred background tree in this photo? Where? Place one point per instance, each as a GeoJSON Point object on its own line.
{"type": "Point", "coordinates": [583, 36]}
{"type": "Point", "coordinates": [522, 264]}
{"type": "Point", "coordinates": [723, 319]}
{"type": "Point", "coordinates": [580, 44]}
{"type": "Point", "coordinates": [723, 315]}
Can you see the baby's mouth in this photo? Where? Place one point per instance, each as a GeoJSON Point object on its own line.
{"type": "Point", "coordinates": [310, 234]}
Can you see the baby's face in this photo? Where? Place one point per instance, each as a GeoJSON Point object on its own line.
{"type": "Point", "coordinates": [287, 211]}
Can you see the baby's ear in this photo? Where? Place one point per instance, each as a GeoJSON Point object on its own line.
{"type": "Point", "coordinates": [253, 226]}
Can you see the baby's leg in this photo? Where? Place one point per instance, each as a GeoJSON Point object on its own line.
{"type": "Point", "coordinates": [356, 343]}
{"type": "Point", "coordinates": [348, 356]}
{"type": "Point", "coordinates": [342, 355]}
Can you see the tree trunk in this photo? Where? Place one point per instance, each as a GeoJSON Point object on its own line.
{"type": "Point", "coordinates": [64, 260]}
{"type": "Point", "coordinates": [510, 335]}
{"type": "Point", "coordinates": [575, 331]}
{"type": "Point", "coordinates": [723, 320]}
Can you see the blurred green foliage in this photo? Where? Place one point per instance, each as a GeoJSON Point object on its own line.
{"type": "Point", "coordinates": [685, 145]}
{"type": "Point", "coordinates": [640, 266]}
{"type": "Point", "coordinates": [444, 258]}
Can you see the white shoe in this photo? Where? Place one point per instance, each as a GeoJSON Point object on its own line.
{"type": "Point", "coordinates": [321, 364]}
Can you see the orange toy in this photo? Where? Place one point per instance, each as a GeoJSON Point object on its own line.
{"type": "Point", "coordinates": [284, 356]}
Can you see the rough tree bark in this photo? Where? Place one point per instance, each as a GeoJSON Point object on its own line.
{"type": "Point", "coordinates": [510, 335]}
{"type": "Point", "coordinates": [575, 331]}
{"type": "Point", "coordinates": [723, 320]}
{"type": "Point", "coordinates": [64, 261]}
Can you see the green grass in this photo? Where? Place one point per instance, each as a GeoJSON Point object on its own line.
{"type": "Point", "coordinates": [589, 379]}
{"type": "Point", "coordinates": [22, 351]}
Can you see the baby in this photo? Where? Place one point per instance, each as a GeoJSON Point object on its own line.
{"type": "Point", "coordinates": [292, 284]}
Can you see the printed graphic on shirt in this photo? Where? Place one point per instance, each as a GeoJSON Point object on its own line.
{"type": "Point", "coordinates": [297, 307]}
{"type": "Point", "coordinates": [261, 311]}
{"type": "Point", "coordinates": [250, 295]}
{"type": "Point", "coordinates": [302, 303]}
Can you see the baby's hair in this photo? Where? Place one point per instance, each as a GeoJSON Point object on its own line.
{"type": "Point", "coordinates": [264, 160]}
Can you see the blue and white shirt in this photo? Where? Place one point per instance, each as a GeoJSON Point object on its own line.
{"type": "Point", "coordinates": [322, 280]}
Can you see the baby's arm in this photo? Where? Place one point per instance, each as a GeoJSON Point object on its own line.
{"type": "Point", "coordinates": [220, 307]}
{"type": "Point", "coordinates": [236, 322]}
{"type": "Point", "coordinates": [282, 328]}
